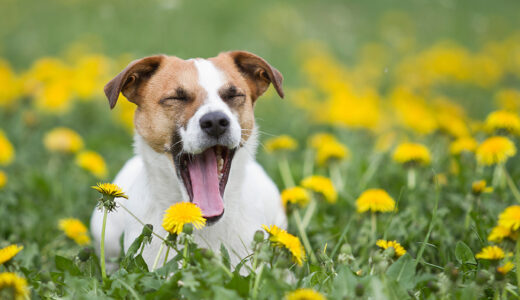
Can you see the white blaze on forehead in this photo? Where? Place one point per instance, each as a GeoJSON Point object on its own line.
{"type": "Point", "coordinates": [210, 78]}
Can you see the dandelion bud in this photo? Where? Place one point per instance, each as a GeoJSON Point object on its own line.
{"type": "Point", "coordinates": [389, 252]}
{"type": "Point", "coordinates": [84, 254]}
{"type": "Point", "coordinates": [259, 236]}
{"type": "Point", "coordinates": [360, 290]}
{"type": "Point", "coordinates": [172, 237]}
{"type": "Point", "coordinates": [187, 229]}
{"type": "Point", "coordinates": [346, 249]}
{"type": "Point", "coordinates": [207, 253]}
{"type": "Point", "coordinates": [147, 230]}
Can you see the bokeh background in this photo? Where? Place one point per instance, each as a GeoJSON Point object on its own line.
{"type": "Point", "coordinates": [374, 73]}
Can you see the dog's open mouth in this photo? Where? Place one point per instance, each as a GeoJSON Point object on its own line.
{"type": "Point", "coordinates": [205, 177]}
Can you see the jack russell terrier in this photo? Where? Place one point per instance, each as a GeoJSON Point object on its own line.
{"type": "Point", "coordinates": [195, 141]}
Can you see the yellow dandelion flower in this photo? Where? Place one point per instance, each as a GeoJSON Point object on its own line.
{"type": "Point", "coordinates": [498, 233]}
{"type": "Point", "coordinates": [510, 217]}
{"type": "Point", "coordinates": [11, 85]}
{"type": "Point", "coordinates": [110, 189]}
{"type": "Point", "coordinates": [304, 294]}
{"type": "Point", "coordinates": [399, 250]}
{"type": "Point", "coordinates": [13, 285]}
{"type": "Point", "coordinates": [412, 153]}
{"type": "Point", "coordinates": [321, 138]}
{"type": "Point", "coordinates": [282, 142]}
{"type": "Point", "coordinates": [63, 140]}
{"type": "Point", "coordinates": [495, 150]}
{"type": "Point", "coordinates": [6, 150]}
{"type": "Point", "coordinates": [463, 144]}
{"type": "Point", "coordinates": [180, 214]}
{"type": "Point", "coordinates": [503, 120]}
{"type": "Point", "coordinates": [92, 162]}
{"type": "Point", "coordinates": [9, 252]}
{"type": "Point", "coordinates": [283, 239]}
{"type": "Point", "coordinates": [296, 195]}
{"type": "Point", "coordinates": [375, 200]}
{"type": "Point", "coordinates": [75, 230]}
{"type": "Point", "coordinates": [505, 268]}
{"type": "Point", "coordinates": [491, 253]}
{"type": "Point", "coordinates": [479, 187]}
{"type": "Point", "coordinates": [321, 185]}
{"type": "Point", "coordinates": [54, 96]}
{"type": "Point", "coordinates": [3, 179]}
{"type": "Point", "coordinates": [331, 151]}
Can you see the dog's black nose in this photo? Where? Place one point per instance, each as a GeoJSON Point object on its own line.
{"type": "Point", "coordinates": [214, 123]}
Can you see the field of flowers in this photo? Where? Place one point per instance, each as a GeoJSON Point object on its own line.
{"type": "Point", "coordinates": [395, 150]}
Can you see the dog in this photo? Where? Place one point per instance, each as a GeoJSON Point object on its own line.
{"type": "Point", "coordinates": [195, 140]}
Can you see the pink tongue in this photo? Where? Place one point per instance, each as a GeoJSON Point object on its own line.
{"type": "Point", "coordinates": [205, 184]}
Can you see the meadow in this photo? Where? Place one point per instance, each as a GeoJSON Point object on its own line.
{"type": "Point", "coordinates": [395, 148]}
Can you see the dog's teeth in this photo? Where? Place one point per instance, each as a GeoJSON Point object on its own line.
{"type": "Point", "coordinates": [220, 164]}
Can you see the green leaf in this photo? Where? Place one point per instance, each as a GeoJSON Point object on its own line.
{"type": "Point", "coordinates": [403, 271]}
{"type": "Point", "coordinates": [222, 293]}
{"type": "Point", "coordinates": [225, 256]}
{"type": "Point", "coordinates": [464, 254]}
{"type": "Point", "coordinates": [66, 265]}
{"type": "Point", "coordinates": [344, 283]}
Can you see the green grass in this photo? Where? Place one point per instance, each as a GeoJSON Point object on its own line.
{"type": "Point", "coordinates": [430, 223]}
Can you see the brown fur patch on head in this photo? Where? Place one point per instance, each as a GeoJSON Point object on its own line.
{"type": "Point", "coordinates": [250, 75]}
{"type": "Point", "coordinates": [172, 96]}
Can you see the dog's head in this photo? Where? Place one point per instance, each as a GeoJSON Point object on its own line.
{"type": "Point", "coordinates": [198, 112]}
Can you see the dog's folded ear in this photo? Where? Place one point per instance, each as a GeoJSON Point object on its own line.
{"type": "Point", "coordinates": [129, 80]}
{"type": "Point", "coordinates": [258, 72]}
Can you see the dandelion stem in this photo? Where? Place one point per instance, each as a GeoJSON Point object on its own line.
{"type": "Point", "coordinates": [335, 174]}
{"type": "Point", "coordinates": [308, 163]}
{"type": "Point", "coordinates": [411, 178]}
{"type": "Point", "coordinates": [285, 171]}
{"type": "Point", "coordinates": [373, 220]}
{"type": "Point", "coordinates": [511, 184]}
{"type": "Point", "coordinates": [303, 235]}
{"type": "Point", "coordinates": [498, 176]}
{"type": "Point", "coordinates": [257, 281]}
{"type": "Point", "coordinates": [166, 256]}
{"type": "Point", "coordinates": [308, 213]}
{"type": "Point", "coordinates": [103, 267]}
{"type": "Point", "coordinates": [156, 261]}
{"type": "Point", "coordinates": [185, 253]}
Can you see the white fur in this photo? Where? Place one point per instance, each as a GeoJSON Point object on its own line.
{"type": "Point", "coordinates": [194, 139]}
{"type": "Point", "coordinates": [151, 182]}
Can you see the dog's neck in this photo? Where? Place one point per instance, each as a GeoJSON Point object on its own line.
{"type": "Point", "coordinates": [166, 188]}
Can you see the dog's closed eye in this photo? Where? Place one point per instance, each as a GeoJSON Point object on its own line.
{"type": "Point", "coordinates": [179, 95]}
{"type": "Point", "coordinates": [231, 93]}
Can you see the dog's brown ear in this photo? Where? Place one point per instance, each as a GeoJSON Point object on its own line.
{"type": "Point", "coordinates": [129, 80]}
{"type": "Point", "coordinates": [258, 72]}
